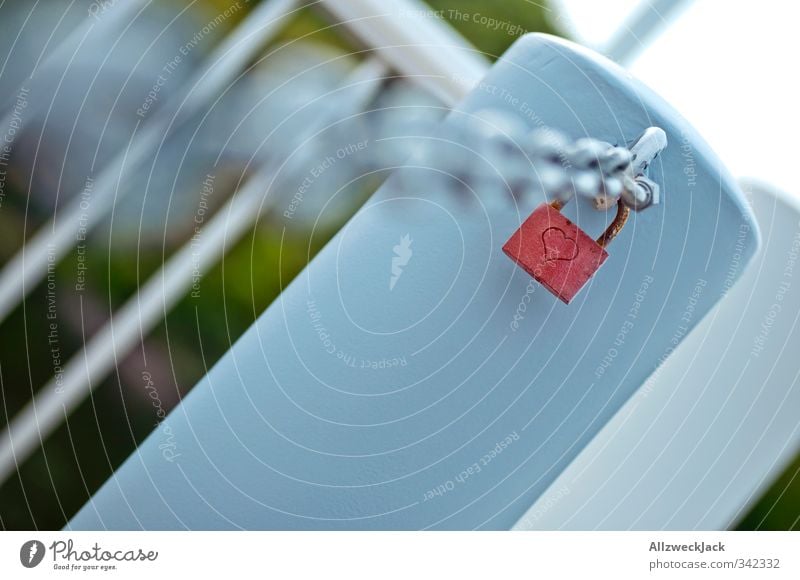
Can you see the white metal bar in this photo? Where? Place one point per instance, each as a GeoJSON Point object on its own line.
{"type": "Point", "coordinates": [27, 430]}
{"type": "Point", "coordinates": [27, 268]}
{"type": "Point", "coordinates": [639, 30]}
{"type": "Point", "coordinates": [415, 42]}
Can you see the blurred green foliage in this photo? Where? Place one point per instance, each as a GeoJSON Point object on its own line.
{"type": "Point", "coordinates": [492, 26]}
{"type": "Point", "coordinates": [779, 508]}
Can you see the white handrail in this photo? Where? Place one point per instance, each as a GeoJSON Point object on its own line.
{"type": "Point", "coordinates": [415, 42]}
{"type": "Point", "coordinates": [640, 28]}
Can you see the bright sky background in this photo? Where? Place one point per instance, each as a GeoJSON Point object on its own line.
{"type": "Point", "coordinates": [729, 67]}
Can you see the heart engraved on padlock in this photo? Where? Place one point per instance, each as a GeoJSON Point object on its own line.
{"type": "Point", "coordinates": [557, 253]}
{"type": "Point", "coordinates": [558, 246]}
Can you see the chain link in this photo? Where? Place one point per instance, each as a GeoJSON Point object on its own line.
{"type": "Point", "coordinates": [552, 163]}
{"type": "Point", "coordinates": [598, 170]}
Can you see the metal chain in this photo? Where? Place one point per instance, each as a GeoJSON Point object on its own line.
{"type": "Point", "coordinates": [561, 168]}
{"type": "Point", "coordinates": [598, 170]}
{"type": "Point", "coordinates": [495, 149]}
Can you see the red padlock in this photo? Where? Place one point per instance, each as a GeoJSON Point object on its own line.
{"type": "Point", "coordinates": [557, 253]}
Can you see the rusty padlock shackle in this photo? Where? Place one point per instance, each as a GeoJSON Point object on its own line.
{"type": "Point", "coordinates": [639, 194]}
{"type": "Point", "coordinates": [613, 229]}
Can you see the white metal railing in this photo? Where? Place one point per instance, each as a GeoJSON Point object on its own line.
{"type": "Point", "coordinates": [641, 27]}
{"type": "Point", "coordinates": [414, 43]}
{"type": "Point", "coordinates": [401, 35]}
{"type": "Point", "coordinates": [162, 290]}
